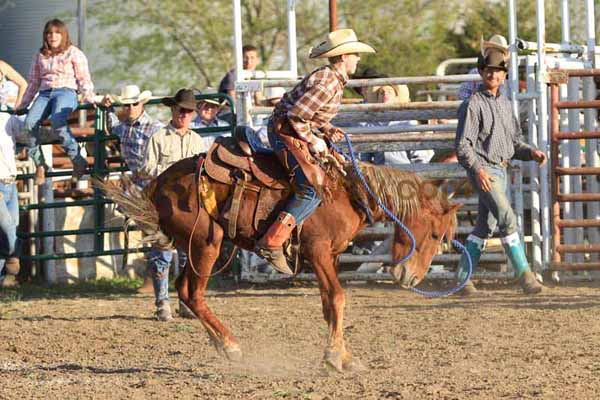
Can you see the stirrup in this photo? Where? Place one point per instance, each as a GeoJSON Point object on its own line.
{"type": "Point", "coordinates": [275, 257]}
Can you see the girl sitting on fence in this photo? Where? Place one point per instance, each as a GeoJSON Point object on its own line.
{"type": "Point", "coordinates": [57, 71]}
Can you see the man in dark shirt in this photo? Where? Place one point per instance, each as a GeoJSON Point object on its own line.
{"type": "Point", "coordinates": [250, 60]}
{"type": "Point", "coordinates": [487, 138]}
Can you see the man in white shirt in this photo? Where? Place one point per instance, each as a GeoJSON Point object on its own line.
{"type": "Point", "coordinates": [168, 145]}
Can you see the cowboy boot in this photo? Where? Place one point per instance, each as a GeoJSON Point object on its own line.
{"type": "Point", "coordinates": [474, 247]}
{"type": "Point", "coordinates": [147, 286]}
{"type": "Point", "coordinates": [270, 246]}
{"type": "Point", "coordinates": [516, 254]}
{"type": "Point", "coordinates": [163, 311]}
{"type": "Point", "coordinates": [40, 175]}
{"type": "Point", "coordinates": [13, 266]}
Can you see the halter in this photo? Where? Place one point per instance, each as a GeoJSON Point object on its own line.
{"type": "Point", "coordinates": [396, 220]}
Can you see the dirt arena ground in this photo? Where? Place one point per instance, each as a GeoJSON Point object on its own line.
{"type": "Point", "coordinates": [107, 346]}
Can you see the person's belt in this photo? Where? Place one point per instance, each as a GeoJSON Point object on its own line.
{"type": "Point", "coordinates": [7, 181]}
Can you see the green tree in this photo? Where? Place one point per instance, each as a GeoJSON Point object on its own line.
{"type": "Point", "coordinates": [164, 45]}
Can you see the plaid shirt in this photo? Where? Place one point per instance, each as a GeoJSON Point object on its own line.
{"type": "Point", "coordinates": [65, 70]}
{"type": "Point", "coordinates": [134, 137]}
{"type": "Point", "coordinates": [488, 133]}
{"type": "Point", "coordinates": [313, 102]}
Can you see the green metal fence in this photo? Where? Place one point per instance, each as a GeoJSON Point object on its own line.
{"type": "Point", "coordinates": [98, 201]}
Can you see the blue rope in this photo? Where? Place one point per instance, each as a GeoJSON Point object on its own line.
{"type": "Point", "coordinates": [394, 218]}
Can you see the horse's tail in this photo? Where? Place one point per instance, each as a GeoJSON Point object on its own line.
{"type": "Point", "coordinates": [137, 205]}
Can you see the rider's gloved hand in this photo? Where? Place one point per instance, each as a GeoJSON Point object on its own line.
{"type": "Point", "coordinates": [317, 145]}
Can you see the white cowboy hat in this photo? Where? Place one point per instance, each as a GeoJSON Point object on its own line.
{"type": "Point", "coordinates": [275, 92]}
{"type": "Point", "coordinates": [342, 41]}
{"type": "Point", "coordinates": [131, 94]}
{"type": "Point", "coordinates": [401, 91]}
{"type": "Point", "coordinates": [496, 42]}
{"type": "Point", "coordinates": [210, 90]}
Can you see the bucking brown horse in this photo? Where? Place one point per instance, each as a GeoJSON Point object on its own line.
{"type": "Point", "coordinates": [176, 208]}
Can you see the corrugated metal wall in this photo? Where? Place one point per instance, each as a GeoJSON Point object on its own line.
{"type": "Point", "coordinates": [21, 24]}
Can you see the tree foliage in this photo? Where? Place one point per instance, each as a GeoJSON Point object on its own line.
{"type": "Point", "coordinates": [164, 45]}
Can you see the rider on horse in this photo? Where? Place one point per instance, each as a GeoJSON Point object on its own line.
{"type": "Point", "coordinates": [307, 108]}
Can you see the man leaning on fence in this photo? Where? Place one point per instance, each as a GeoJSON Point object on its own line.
{"type": "Point", "coordinates": [487, 138]}
{"type": "Point", "coordinates": [170, 144]}
{"type": "Point", "coordinates": [134, 132]}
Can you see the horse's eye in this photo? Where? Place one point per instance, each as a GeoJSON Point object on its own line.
{"type": "Point", "coordinates": [435, 236]}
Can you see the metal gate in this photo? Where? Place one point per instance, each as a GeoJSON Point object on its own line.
{"type": "Point", "coordinates": [588, 191]}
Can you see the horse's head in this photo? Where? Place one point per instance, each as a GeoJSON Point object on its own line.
{"type": "Point", "coordinates": [435, 220]}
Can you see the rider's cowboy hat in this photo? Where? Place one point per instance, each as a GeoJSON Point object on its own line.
{"type": "Point", "coordinates": [131, 94]}
{"type": "Point", "coordinates": [496, 42]}
{"type": "Point", "coordinates": [184, 98]}
{"type": "Point", "coordinates": [342, 41]}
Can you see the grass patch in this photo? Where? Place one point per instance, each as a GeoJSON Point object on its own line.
{"type": "Point", "coordinates": [90, 288]}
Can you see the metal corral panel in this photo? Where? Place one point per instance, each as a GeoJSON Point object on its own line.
{"type": "Point", "coordinates": [21, 24]}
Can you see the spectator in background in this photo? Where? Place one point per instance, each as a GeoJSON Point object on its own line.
{"type": "Point", "coordinates": [207, 116]}
{"type": "Point", "coordinates": [250, 60]}
{"type": "Point", "coordinates": [167, 146]}
{"type": "Point", "coordinates": [9, 202]}
{"type": "Point", "coordinates": [12, 88]}
{"type": "Point", "coordinates": [393, 94]}
{"type": "Point", "coordinates": [57, 71]}
{"type": "Point", "coordinates": [134, 133]}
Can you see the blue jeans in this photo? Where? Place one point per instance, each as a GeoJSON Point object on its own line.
{"type": "Point", "coordinates": [58, 105]}
{"type": "Point", "coordinates": [304, 201]}
{"type": "Point", "coordinates": [495, 209]}
{"type": "Point", "coordinates": [158, 263]}
{"type": "Point", "coordinates": [9, 220]}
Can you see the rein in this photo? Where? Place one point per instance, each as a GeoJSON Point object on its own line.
{"type": "Point", "coordinates": [190, 258]}
{"type": "Point", "coordinates": [397, 221]}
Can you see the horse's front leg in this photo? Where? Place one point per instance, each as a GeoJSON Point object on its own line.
{"type": "Point", "coordinates": [334, 302]}
{"type": "Point", "coordinates": [192, 289]}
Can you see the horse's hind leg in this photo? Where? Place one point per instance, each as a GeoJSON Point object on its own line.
{"type": "Point", "coordinates": [192, 289]}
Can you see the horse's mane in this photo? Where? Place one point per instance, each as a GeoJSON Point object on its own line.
{"type": "Point", "coordinates": [397, 189]}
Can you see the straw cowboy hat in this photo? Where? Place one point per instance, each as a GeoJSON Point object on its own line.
{"type": "Point", "coordinates": [402, 94]}
{"type": "Point", "coordinates": [342, 41]}
{"type": "Point", "coordinates": [184, 98]}
{"type": "Point", "coordinates": [496, 42]}
{"type": "Point", "coordinates": [131, 94]}
{"type": "Point", "coordinates": [210, 90]}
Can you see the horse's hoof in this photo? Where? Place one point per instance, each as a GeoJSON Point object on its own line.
{"type": "Point", "coordinates": [334, 360]}
{"type": "Point", "coordinates": [233, 353]}
{"type": "Point", "coordinates": [353, 365]}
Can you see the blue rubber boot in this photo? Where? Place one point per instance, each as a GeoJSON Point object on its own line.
{"type": "Point", "coordinates": [516, 253]}
{"type": "Point", "coordinates": [474, 246]}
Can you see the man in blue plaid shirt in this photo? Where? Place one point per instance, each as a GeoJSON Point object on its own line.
{"type": "Point", "coordinates": [135, 130]}
{"type": "Point", "coordinates": [134, 134]}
